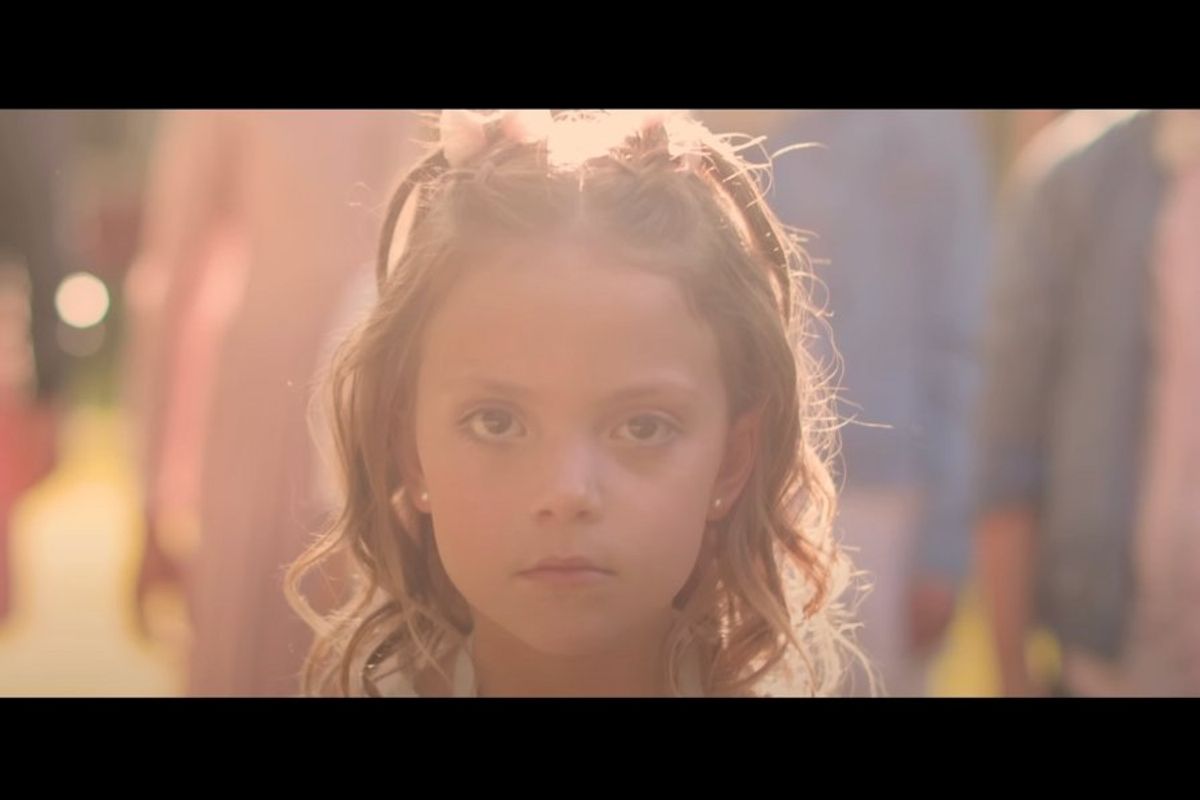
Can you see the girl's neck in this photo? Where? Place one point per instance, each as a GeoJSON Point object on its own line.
{"type": "Point", "coordinates": [507, 667]}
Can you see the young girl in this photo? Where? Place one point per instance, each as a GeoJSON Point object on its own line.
{"type": "Point", "coordinates": [579, 454]}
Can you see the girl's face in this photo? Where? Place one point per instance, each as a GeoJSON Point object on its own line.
{"type": "Point", "coordinates": [572, 433]}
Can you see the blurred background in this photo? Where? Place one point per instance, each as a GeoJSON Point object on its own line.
{"type": "Point", "coordinates": [1009, 295]}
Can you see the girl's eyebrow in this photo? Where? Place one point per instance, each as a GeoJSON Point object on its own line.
{"type": "Point", "coordinates": [665, 384]}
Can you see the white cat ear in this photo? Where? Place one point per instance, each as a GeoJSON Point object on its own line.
{"type": "Point", "coordinates": [462, 135]}
{"type": "Point", "coordinates": [526, 125]}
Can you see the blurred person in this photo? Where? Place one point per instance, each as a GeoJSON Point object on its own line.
{"type": "Point", "coordinates": [255, 221]}
{"type": "Point", "coordinates": [34, 149]}
{"type": "Point", "coordinates": [898, 206]}
{"type": "Point", "coordinates": [1091, 448]}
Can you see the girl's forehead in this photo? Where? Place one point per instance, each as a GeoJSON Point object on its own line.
{"type": "Point", "coordinates": [567, 311]}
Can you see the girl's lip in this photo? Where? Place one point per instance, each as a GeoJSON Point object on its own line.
{"type": "Point", "coordinates": [571, 564]}
{"type": "Point", "coordinates": [566, 571]}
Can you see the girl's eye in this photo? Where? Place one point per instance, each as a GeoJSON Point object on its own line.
{"type": "Point", "coordinates": [647, 429]}
{"type": "Point", "coordinates": [493, 424]}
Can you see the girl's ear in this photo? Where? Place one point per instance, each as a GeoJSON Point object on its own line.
{"type": "Point", "coordinates": [413, 478]}
{"type": "Point", "coordinates": [741, 452]}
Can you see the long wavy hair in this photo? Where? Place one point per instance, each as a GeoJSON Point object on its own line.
{"type": "Point", "coordinates": [764, 604]}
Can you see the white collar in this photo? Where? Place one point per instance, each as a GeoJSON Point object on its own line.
{"type": "Point", "coordinates": [463, 681]}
